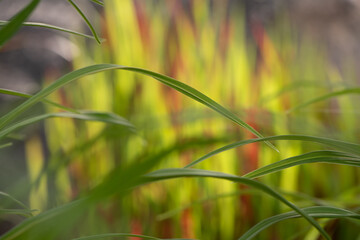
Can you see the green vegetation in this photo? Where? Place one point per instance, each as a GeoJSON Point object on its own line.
{"type": "Point", "coordinates": [150, 162]}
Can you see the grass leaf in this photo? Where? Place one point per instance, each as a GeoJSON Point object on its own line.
{"type": "Point", "coordinates": [83, 115]}
{"type": "Point", "coordinates": [5, 145]}
{"type": "Point", "coordinates": [16, 22]}
{"type": "Point", "coordinates": [22, 212]}
{"type": "Point", "coordinates": [98, 2]}
{"type": "Point", "coordinates": [24, 95]}
{"type": "Point", "coordinates": [325, 97]}
{"type": "Point", "coordinates": [86, 20]}
{"type": "Point", "coordinates": [333, 157]}
{"type": "Point", "coordinates": [343, 146]}
{"type": "Point", "coordinates": [179, 86]}
{"type": "Point", "coordinates": [316, 212]}
{"type": "Point", "coordinates": [178, 173]}
{"type": "Point", "coordinates": [48, 26]}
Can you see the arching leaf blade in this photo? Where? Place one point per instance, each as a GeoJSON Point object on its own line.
{"type": "Point", "coordinates": [351, 148]}
{"type": "Point", "coordinates": [183, 172]}
{"type": "Point", "coordinates": [316, 212]}
{"type": "Point", "coordinates": [177, 85]}
{"type": "Point", "coordinates": [16, 22]}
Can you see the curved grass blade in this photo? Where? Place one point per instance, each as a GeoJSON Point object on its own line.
{"type": "Point", "coordinates": [25, 95]}
{"type": "Point", "coordinates": [107, 235]}
{"type": "Point", "coordinates": [16, 22]}
{"type": "Point", "coordinates": [22, 212]}
{"type": "Point", "coordinates": [332, 157]}
{"type": "Point", "coordinates": [83, 115]}
{"type": "Point", "coordinates": [178, 173]}
{"type": "Point", "coordinates": [44, 25]}
{"type": "Point", "coordinates": [13, 199]}
{"type": "Point", "coordinates": [316, 212]}
{"type": "Point", "coordinates": [343, 146]}
{"type": "Point", "coordinates": [325, 97]}
{"type": "Point", "coordinates": [86, 20]}
{"type": "Point", "coordinates": [179, 86]}
{"type": "Point", "coordinates": [122, 180]}
{"type": "Point", "coordinates": [98, 2]}
{"type": "Point", "coordinates": [6, 145]}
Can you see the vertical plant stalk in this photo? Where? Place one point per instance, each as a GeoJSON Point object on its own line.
{"type": "Point", "coordinates": [86, 20]}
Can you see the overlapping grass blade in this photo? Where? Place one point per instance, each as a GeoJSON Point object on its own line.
{"type": "Point", "coordinates": [179, 86]}
{"type": "Point", "coordinates": [86, 20]}
{"type": "Point", "coordinates": [316, 212]}
{"type": "Point", "coordinates": [5, 145]}
{"type": "Point", "coordinates": [8, 196]}
{"type": "Point", "coordinates": [16, 22]}
{"type": "Point", "coordinates": [351, 148]}
{"type": "Point", "coordinates": [25, 95]}
{"type": "Point", "coordinates": [332, 157]}
{"type": "Point", "coordinates": [44, 25]}
{"type": "Point", "coordinates": [83, 115]}
{"type": "Point", "coordinates": [22, 212]}
{"type": "Point", "coordinates": [98, 2]}
{"type": "Point", "coordinates": [325, 97]}
{"type": "Point", "coordinates": [122, 180]}
{"type": "Point", "coordinates": [72, 210]}
{"type": "Point", "coordinates": [179, 173]}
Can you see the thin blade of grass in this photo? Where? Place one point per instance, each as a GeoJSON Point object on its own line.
{"type": "Point", "coordinates": [332, 157]}
{"type": "Point", "coordinates": [13, 199]}
{"type": "Point", "coordinates": [178, 173]}
{"type": "Point", "coordinates": [316, 212]}
{"type": "Point", "coordinates": [25, 95]}
{"type": "Point", "coordinates": [83, 115]}
{"type": "Point", "coordinates": [86, 20]}
{"type": "Point", "coordinates": [6, 145]}
{"type": "Point", "coordinates": [341, 145]}
{"type": "Point", "coordinates": [97, 2]}
{"type": "Point", "coordinates": [16, 22]}
{"type": "Point", "coordinates": [21, 212]}
{"type": "Point", "coordinates": [325, 97]}
{"type": "Point", "coordinates": [179, 86]}
{"type": "Point", "coordinates": [48, 26]}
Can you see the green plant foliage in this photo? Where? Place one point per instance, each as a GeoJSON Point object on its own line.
{"type": "Point", "coordinates": [316, 212]}
{"type": "Point", "coordinates": [16, 22]}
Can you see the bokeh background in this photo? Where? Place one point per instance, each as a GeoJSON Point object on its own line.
{"type": "Point", "coordinates": [258, 58]}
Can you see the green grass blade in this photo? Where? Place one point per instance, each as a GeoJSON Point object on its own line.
{"type": "Point", "coordinates": [16, 22]}
{"type": "Point", "coordinates": [48, 26]}
{"type": "Point", "coordinates": [25, 95]}
{"type": "Point", "coordinates": [98, 2]}
{"type": "Point", "coordinates": [325, 97]}
{"type": "Point", "coordinates": [5, 145]}
{"type": "Point", "coordinates": [21, 230]}
{"type": "Point", "coordinates": [22, 212]}
{"type": "Point", "coordinates": [179, 173]}
{"type": "Point", "coordinates": [108, 235]}
{"type": "Point", "coordinates": [343, 146]}
{"type": "Point", "coordinates": [83, 115]}
{"type": "Point", "coordinates": [179, 86]}
{"type": "Point", "coordinates": [316, 212]}
{"type": "Point", "coordinates": [86, 20]}
{"type": "Point", "coordinates": [332, 157]}
{"type": "Point", "coordinates": [13, 199]}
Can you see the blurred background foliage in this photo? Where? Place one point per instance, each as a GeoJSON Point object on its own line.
{"type": "Point", "coordinates": [259, 59]}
